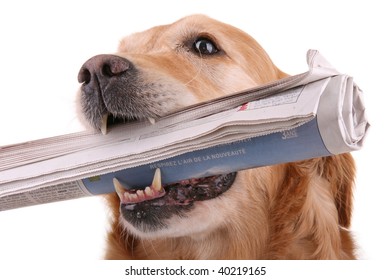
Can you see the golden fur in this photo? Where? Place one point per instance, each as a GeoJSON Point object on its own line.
{"type": "Point", "coordinates": [299, 210]}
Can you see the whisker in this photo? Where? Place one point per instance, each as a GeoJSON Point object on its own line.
{"type": "Point", "coordinates": [198, 72]}
{"type": "Point", "coordinates": [154, 249]}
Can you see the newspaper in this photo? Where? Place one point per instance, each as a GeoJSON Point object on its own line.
{"type": "Point", "coordinates": [313, 114]}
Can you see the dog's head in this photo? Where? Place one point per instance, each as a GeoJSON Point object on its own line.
{"type": "Point", "coordinates": [297, 207]}
{"type": "Point", "coordinates": [159, 71]}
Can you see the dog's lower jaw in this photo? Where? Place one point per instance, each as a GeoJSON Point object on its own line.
{"type": "Point", "coordinates": [196, 221]}
{"type": "Point", "coordinates": [205, 232]}
{"type": "Point", "coordinates": [263, 224]}
{"type": "Point", "coordinates": [165, 208]}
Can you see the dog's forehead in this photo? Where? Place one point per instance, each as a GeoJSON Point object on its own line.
{"type": "Point", "coordinates": [170, 35]}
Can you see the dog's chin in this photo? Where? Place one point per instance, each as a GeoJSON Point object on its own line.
{"type": "Point", "coordinates": [177, 209]}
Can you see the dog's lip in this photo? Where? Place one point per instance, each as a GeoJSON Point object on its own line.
{"type": "Point", "coordinates": [183, 193]}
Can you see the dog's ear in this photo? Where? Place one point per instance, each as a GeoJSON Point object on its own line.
{"type": "Point", "coordinates": [340, 172]}
{"type": "Point", "coordinates": [271, 74]}
{"type": "Point", "coordinates": [281, 74]}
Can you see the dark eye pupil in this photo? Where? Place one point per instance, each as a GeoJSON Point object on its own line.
{"type": "Point", "coordinates": [205, 46]}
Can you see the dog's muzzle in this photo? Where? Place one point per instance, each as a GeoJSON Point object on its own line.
{"type": "Point", "coordinates": [113, 87]}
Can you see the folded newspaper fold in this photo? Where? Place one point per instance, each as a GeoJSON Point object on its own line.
{"type": "Point", "coordinates": [313, 114]}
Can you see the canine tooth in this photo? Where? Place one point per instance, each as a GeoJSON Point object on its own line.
{"type": "Point", "coordinates": [119, 188]}
{"type": "Point", "coordinates": [103, 126]}
{"type": "Point", "coordinates": [151, 120]}
{"type": "Point", "coordinates": [156, 184]}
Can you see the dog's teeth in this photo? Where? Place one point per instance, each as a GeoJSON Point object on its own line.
{"type": "Point", "coordinates": [156, 184]}
{"type": "Point", "coordinates": [148, 191]}
{"type": "Point", "coordinates": [127, 196]}
{"type": "Point", "coordinates": [151, 120]}
{"type": "Point", "coordinates": [154, 191]}
{"type": "Point", "coordinates": [141, 194]}
{"type": "Point", "coordinates": [103, 126]}
{"type": "Point", "coordinates": [119, 188]}
{"type": "Point", "coordinates": [133, 197]}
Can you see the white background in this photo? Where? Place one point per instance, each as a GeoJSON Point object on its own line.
{"type": "Point", "coordinates": [44, 43]}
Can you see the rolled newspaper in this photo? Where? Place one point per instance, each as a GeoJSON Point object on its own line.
{"type": "Point", "coordinates": [313, 114]}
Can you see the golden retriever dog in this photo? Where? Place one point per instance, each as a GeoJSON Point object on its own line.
{"type": "Point", "coordinates": [299, 210]}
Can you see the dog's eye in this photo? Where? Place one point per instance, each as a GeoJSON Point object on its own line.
{"type": "Point", "coordinates": [205, 46]}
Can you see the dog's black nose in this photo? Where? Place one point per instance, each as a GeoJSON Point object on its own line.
{"type": "Point", "coordinates": [103, 67]}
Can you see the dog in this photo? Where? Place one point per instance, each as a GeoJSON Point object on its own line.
{"type": "Point", "coordinates": [298, 210]}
